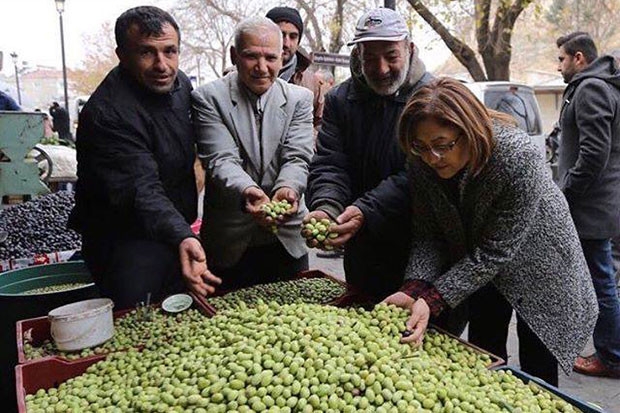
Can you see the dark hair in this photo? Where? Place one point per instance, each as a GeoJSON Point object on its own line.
{"type": "Point", "coordinates": [149, 20]}
{"type": "Point", "coordinates": [449, 102]}
{"type": "Point", "coordinates": [579, 42]}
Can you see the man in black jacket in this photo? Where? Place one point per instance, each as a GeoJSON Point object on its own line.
{"type": "Point", "coordinates": [589, 176]}
{"type": "Point", "coordinates": [136, 194]}
{"type": "Point", "coordinates": [60, 121]}
{"type": "Point", "coordinates": [357, 176]}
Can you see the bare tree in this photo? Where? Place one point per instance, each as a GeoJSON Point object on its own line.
{"type": "Point", "coordinates": [597, 17]}
{"type": "Point", "coordinates": [99, 59]}
{"type": "Point", "coordinates": [494, 23]}
{"type": "Point", "coordinates": [207, 27]}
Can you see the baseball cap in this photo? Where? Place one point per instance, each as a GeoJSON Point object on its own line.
{"type": "Point", "coordinates": [380, 24]}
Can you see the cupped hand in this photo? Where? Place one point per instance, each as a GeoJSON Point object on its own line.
{"type": "Point", "coordinates": [255, 198]}
{"type": "Point", "coordinates": [291, 196]}
{"type": "Point", "coordinates": [318, 215]}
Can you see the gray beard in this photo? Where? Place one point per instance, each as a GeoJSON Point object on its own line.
{"type": "Point", "coordinates": [395, 85]}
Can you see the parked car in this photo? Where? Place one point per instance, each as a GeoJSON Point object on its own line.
{"type": "Point", "coordinates": [517, 100]}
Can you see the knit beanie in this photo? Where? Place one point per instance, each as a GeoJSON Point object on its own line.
{"type": "Point", "coordinates": [286, 14]}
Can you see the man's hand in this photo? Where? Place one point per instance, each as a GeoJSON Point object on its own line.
{"type": "Point", "coordinates": [254, 199]}
{"type": "Point", "coordinates": [418, 320]}
{"type": "Point", "coordinates": [318, 215]}
{"type": "Point", "coordinates": [194, 268]}
{"type": "Point", "coordinates": [291, 196]}
{"type": "Point", "coordinates": [347, 225]}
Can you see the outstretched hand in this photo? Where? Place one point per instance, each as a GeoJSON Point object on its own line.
{"type": "Point", "coordinates": [418, 320]}
{"type": "Point", "coordinates": [194, 268]}
{"type": "Point", "coordinates": [291, 196]}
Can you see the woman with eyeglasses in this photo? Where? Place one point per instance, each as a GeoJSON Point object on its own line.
{"type": "Point", "coordinates": [491, 227]}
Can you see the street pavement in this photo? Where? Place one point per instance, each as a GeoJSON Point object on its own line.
{"type": "Point", "coordinates": [601, 391]}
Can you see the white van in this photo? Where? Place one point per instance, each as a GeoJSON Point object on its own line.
{"type": "Point", "coordinates": [517, 100]}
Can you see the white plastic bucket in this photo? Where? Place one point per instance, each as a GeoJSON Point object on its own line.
{"type": "Point", "coordinates": [83, 324]}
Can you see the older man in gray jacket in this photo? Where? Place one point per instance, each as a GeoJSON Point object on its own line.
{"type": "Point", "coordinates": [589, 174]}
{"type": "Point", "coordinates": [255, 141]}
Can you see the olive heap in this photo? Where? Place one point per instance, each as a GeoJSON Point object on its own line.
{"type": "Point", "coordinates": [292, 358]}
{"type": "Point", "coordinates": [276, 210]}
{"type": "Point", "coordinates": [301, 290]}
{"type": "Point", "coordinates": [50, 140]}
{"type": "Point", "coordinates": [316, 232]}
{"type": "Point", "coordinates": [38, 226]}
{"type": "Point", "coordinates": [132, 330]}
{"type": "Point", "coordinates": [54, 288]}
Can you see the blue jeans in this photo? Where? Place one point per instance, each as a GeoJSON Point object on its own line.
{"type": "Point", "coordinates": [607, 329]}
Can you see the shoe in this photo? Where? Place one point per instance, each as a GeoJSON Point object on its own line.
{"type": "Point", "coordinates": [593, 366]}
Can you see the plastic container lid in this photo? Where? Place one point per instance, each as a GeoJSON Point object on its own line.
{"type": "Point", "coordinates": [177, 303]}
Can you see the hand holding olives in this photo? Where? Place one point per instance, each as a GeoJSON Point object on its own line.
{"type": "Point", "coordinates": [255, 198]}
{"type": "Point", "coordinates": [317, 231]}
{"type": "Point", "coordinates": [347, 225]}
{"type": "Point", "coordinates": [276, 211]}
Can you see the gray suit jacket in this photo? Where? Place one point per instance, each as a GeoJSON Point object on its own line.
{"type": "Point", "coordinates": [513, 228]}
{"type": "Point", "coordinates": [223, 123]}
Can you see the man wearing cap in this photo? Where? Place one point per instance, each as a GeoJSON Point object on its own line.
{"type": "Point", "coordinates": [357, 176]}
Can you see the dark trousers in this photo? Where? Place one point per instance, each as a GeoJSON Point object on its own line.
{"type": "Point", "coordinates": [127, 270]}
{"type": "Point", "coordinates": [260, 265]}
{"type": "Point", "coordinates": [607, 330]}
{"type": "Point", "coordinates": [489, 319]}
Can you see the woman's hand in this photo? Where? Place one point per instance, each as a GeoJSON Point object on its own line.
{"type": "Point", "coordinates": [418, 320]}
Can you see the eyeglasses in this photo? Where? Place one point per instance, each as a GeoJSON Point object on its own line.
{"type": "Point", "coordinates": [438, 150]}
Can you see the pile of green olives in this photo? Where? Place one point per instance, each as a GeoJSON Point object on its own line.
{"type": "Point", "coordinates": [54, 288]}
{"type": "Point", "coordinates": [301, 290]}
{"type": "Point", "coordinates": [131, 330]}
{"type": "Point", "coordinates": [294, 358]}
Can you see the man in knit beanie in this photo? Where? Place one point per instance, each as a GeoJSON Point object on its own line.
{"type": "Point", "coordinates": [295, 60]}
{"type": "Point", "coordinates": [292, 27]}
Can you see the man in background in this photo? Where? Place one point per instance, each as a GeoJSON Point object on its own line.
{"type": "Point", "coordinates": [295, 60]}
{"type": "Point", "coordinates": [60, 121]}
{"type": "Point", "coordinates": [589, 176]}
{"type": "Point", "coordinates": [7, 103]}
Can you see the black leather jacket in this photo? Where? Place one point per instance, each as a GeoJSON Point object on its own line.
{"type": "Point", "coordinates": [135, 153]}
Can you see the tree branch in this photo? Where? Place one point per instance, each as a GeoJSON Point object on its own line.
{"type": "Point", "coordinates": [311, 17]}
{"type": "Point", "coordinates": [463, 53]}
{"type": "Point", "coordinates": [481, 19]}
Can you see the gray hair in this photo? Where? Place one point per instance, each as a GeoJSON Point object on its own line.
{"type": "Point", "coordinates": [255, 25]}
